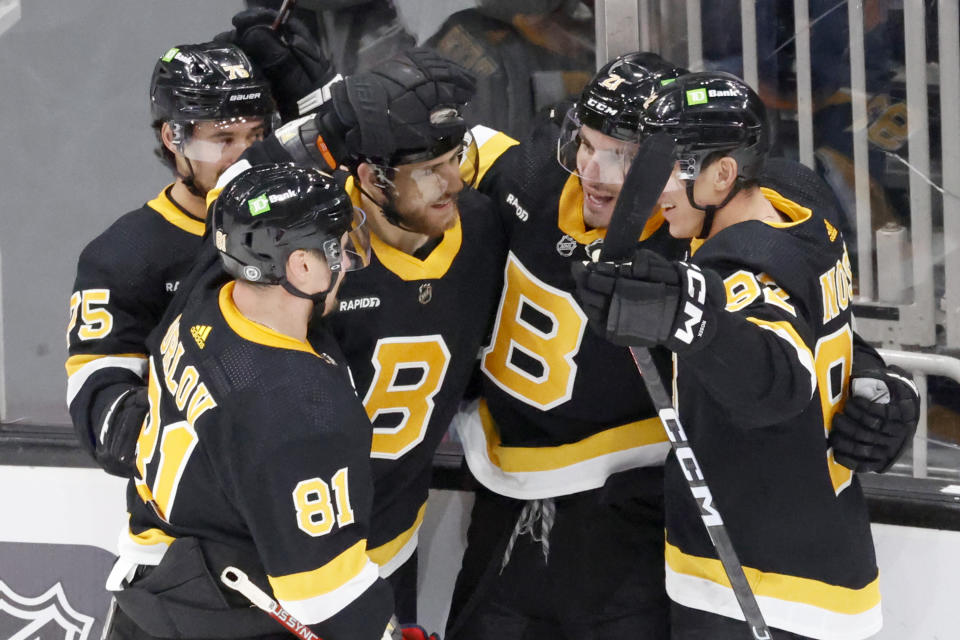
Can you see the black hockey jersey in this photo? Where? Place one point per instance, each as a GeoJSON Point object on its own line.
{"type": "Point", "coordinates": [125, 279]}
{"type": "Point", "coordinates": [411, 330]}
{"type": "Point", "coordinates": [563, 409]}
{"type": "Point", "coordinates": [756, 405]}
{"type": "Point", "coordinates": [256, 445]}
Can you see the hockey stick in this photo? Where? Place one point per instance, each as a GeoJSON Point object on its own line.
{"type": "Point", "coordinates": [283, 14]}
{"type": "Point", "coordinates": [238, 581]}
{"type": "Point", "coordinates": [648, 174]}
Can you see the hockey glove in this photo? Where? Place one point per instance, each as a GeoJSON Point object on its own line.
{"type": "Point", "coordinates": [389, 108]}
{"type": "Point", "coordinates": [116, 448]}
{"type": "Point", "coordinates": [373, 114]}
{"type": "Point", "coordinates": [290, 57]}
{"type": "Point", "coordinates": [416, 632]}
{"type": "Point", "coordinates": [878, 420]}
{"type": "Point", "coordinates": [650, 301]}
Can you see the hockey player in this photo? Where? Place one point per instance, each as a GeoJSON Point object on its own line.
{"type": "Point", "coordinates": [566, 534]}
{"type": "Point", "coordinates": [567, 541]}
{"type": "Point", "coordinates": [412, 323]}
{"type": "Point", "coordinates": [511, 171]}
{"type": "Point", "coordinates": [770, 280]}
{"type": "Point", "coordinates": [254, 454]}
{"type": "Point", "coordinates": [208, 105]}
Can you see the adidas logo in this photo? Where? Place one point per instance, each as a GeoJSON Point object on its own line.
{"type": "Point", "coordinates": [200, 333]}
{"type": "Point", "coordinates": [831, 231]}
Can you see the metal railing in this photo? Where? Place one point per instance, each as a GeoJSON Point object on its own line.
{"type": "Point", "coordinates": [893, 311]}
{"type": "Point", "coordinates": [910, 315]}
{"type": "Point", "coordinates": [921, 366]}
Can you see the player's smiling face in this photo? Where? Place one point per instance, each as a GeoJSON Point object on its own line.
{"type": "Point", "coordinates": [426, 193]}
{"type": "Point", "coordinates": [602, 163]}
{"type": "Point", "coordinates": [684, 220]}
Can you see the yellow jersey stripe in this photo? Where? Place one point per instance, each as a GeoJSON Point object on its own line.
{"type": "Point", "coordinates": [321, 607]}
{"type": "Point", "coordinates": [798, 214]}
{"type": "Point", "coordinates": [383, 554]}
{"type": "Point", "coordinates": [780, 586]}
{"type": "Point", "coordinates": [527, 459]}
{"type": "Point", "coordinates": [788, 334]}
{"type": "Point", "coordinates": [491, 145]}
{"type": "Point", "coordinates": [80, 368]}
{"type": "Point", "coordinates": [404, 265]}
{"type": "Point", "coordinates": [252, 331]}
{"type": "Point", "coordinates": [570, 214]}
{"type": "Point", "coordinates": [325, 579]}
{"type": "Point", "coordinates": [75, 363]}
{"type": "Point", "coordinates": [176, 216]}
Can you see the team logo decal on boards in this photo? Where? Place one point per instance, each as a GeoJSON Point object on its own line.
{"type": "Point", "coordinates": [566, 245]}
{"type": "Point", "coordinates": [425, 294]}
{"type": "Point", "coordinates": [45, 616]}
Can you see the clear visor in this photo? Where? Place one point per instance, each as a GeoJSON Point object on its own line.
{"type": "Point", "coordinates": [436, 180]}
{"type": "Point", "coordinates": [591, 155]}
{"type": "Point", "coordinates": [351, 251]}
{"type": "Point", "coordinates": [215, 141]}
{"type": "Point", "coordinates": [676, 182]}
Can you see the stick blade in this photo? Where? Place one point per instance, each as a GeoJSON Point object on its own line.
{"type": "Point", "coordinates": [642, 186]}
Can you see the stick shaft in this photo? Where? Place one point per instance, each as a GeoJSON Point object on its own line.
{"type": "Point", "coordinates": [701, 492]}
{"type": "Point", "coordinates": [283, 13]}
{"type": "Point", "coordinates": [239, 582]}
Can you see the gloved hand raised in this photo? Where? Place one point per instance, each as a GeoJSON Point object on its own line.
{"type": "Point", "coordinates": [375, 113]}
{"type": "Point", "coordinates": [650, 301]}
{"type": "Point", "coordinates": [289, 57]}
{"type": "Point", "coordinates": [395, 105]}
{"type": "Point", "coordinates": [878, 420]}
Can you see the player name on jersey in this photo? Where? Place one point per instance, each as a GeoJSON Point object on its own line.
{"type": "Point", "coordinates": [187, 389]}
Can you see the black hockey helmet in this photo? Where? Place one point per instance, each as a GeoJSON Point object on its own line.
{"type": "Point", "coordinates": [271, 210]}
{"type": "Point", "coordinates": [710, 112]}
{"type": "Point", "coordinates": [208, 81]}
{"type": "Point", "coordinates": [613, 103]}
{"type": "Point", "coordinates": [416, 100]}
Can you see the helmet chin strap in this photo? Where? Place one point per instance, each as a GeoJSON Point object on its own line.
{"type": "Point", "coordinates": [190, 181]}
{"type": "Point", "coordinates": [711, 209]}
{"type": "Point", "coordinates": [388, 208]}
{"type": "Point", "coordinates": [318, 298]}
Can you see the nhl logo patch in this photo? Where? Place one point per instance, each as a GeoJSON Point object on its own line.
{"type": "Point", "coordinates": [566, 245]}
{"type": "Point", "coordinates": [46, 616]}
{"type": "Point", "coordinates": [425, 294]}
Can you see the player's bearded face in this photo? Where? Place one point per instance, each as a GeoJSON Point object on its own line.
{"type": "Point", "coordinates": [602, 163]}
{"type": "Point", "coordinates": [684, 220]}
{"type": "Point", "coordinates": [215, 145]}
{"type": "Point", "coordinates": [425, 194]}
